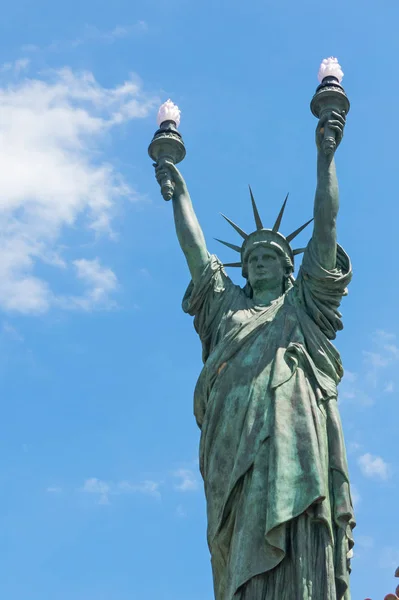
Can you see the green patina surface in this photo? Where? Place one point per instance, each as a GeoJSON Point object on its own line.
{"type": "Point", "coordinates": [272, 453]}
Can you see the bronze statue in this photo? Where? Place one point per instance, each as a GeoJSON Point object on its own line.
{"type": "Point", "coordinates": [272, 453]}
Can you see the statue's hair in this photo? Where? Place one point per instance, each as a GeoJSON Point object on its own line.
{"type": "Point", "coordinates": [286, 259]}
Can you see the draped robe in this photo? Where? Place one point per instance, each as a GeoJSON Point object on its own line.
{"type": "Point", "coordinates": [272, 454]}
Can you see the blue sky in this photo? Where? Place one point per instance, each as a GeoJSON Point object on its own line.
{"type": "Point", "coordinates": [101, 497]}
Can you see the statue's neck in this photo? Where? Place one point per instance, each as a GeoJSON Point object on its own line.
{"type": "Point", "coordinates": [266, 296]}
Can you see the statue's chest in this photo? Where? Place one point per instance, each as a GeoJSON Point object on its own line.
{"type": "Point", "coordinates": [277, 322]}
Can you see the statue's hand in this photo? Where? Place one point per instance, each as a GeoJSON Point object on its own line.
{"type": "Point", "coordinates": [335, 121]}
{"type": "Point", "coordinates": [166, 168]}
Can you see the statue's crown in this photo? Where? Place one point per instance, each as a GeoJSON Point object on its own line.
{"type": "Point", "coordinates": [270, 237]}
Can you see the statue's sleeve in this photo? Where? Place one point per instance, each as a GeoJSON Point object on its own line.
{"type": "Point", "coordinates": [320, 291]}
{"type": "Point", "coordinates": [208, 301]}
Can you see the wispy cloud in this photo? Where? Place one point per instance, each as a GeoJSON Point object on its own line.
{"type": "Point", "coordinates": [180, 511]}
{"type": "Point", "coordinates": [188, 480]}
{"type": "Point", "coordinates": [90, 35]}
{"type": "Point", "coordinates": [389, 558]}
{"type": "Point", "coordinates": [103, 490]}
{"type": "Point", "coordinates": [100, 283]}
{"type": "Point", "coordinates": [54, 490]}
{"type": "Point", "coordinates": [52, 178]}
{"type": "Point", "coordinates": [100, 488]}
{"type": "Point", "coordinates": [16, 67]}
{"type": "Point", "coordinates": [350, 376]}
{"type": "Point", "coordinates": [365, 541]}
{"type": "Point", "coordinates": [148, 487]}
{"type": "Point", "coordinates": [351, 391]}
{"type": "Point", "coordinates": [386, 353]}
{"type": "Point", "coordinates": [12, 333]}
{"type": "Point", "coordinates": [373, 466]}
{"type": "Point", "coordinates": [389, 387]}
{"type": "Point", "coordinates": [384, 336]}
{"type": "Point", "coordinates": [356, 498]}
{"type": "Point", "coordinates": [377, 374]}
{"type": "Point", "coordinates": [354, 447]}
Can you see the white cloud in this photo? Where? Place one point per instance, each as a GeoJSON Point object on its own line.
{"type": "Point", "coordinates": [389, 387]}
{"type": "Point", "coordinates": [392, 349]}
{"type": "Point", "coordinates": [350, 389]}
{"type": "Point", "coordinates": [52, 177]}
{"type": "Point", "coordinates": [54, 490]}
{"type": "Point", "coordinates": [105, 489]}
{"type": "Point", "coordinates": [376, 359]}
{"type": "Point", "coordinates": [98, 487]}
{"type": "Point", "coordinates": [99, 281]}
{"type": "Point", "coordinates": [180, 512]}
{"type": "Point", "coordinates": [146, 487]}
{"type": "Point", "coordinates": [389, 558]}
{"type": "Point", "coordinates": [384, 336]}
{"type": "Point", "coordinates": [11, 332]}
{"type": "Point", "coordinates": [188, 480]}
{"type": "Point", "coordinates": [350, 376]}
{"type": "Point", "coordinates": [15, 67]}
{"type": "Point", "coordinates": [116, 33]}
{"type": "Point", "coordinates": [30, 48]}
{"type": "Point", "coordinates": [373, 466]}
{"type": "Point", "coordinates": [92, 34]}
{"type": "Point", "coordinates": [384, 355]}
{"type": "Point", "coordinates": [354, 447]}
{"type": "Point", "coordinates": [356, 498]}
{"type": "Point", "coordinates": [364, 541]}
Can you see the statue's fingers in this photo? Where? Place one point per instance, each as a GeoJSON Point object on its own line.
{"type": "Point", "coordinates": [335, 123]}
{"type": "Point", "coordinates": [161, 167]}
{"type": "Point", "coordinates": [338, 129]}
{"type": "Point", "coordinates": [339, 117]}
{"type": "Point", "coordinates": [161, 173]}
{"type": "Point", "coordinates": [164, 175]}
{"type": "Point", "coordinates": [172, 167]}
{"type": "Point", "coordinates": [164, 162]}
{"type": "Point", "coordinates": [323, 120]}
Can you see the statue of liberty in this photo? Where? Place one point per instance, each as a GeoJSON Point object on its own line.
{"type": "Point", "coordinates": [272, 453]}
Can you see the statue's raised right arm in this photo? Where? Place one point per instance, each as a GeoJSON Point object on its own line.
{"type": "Point", "coordinates": [326, 202]}
{"type": "Point", "coordinates": [188, 229]}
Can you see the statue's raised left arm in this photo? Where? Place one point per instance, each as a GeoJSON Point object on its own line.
{"type": "Point", "coordinates": [326, 202]}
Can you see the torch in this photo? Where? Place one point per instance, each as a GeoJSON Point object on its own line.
{"type": "Point", "coordinates": [329, 96]}
{"type": "Point", "coordinates": [167, 143]}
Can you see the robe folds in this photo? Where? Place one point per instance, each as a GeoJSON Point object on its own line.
{"type": "Point", "coordinates": [272, 453]}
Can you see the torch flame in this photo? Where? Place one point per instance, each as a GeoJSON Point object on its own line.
{"type": "Point", "coordinates": [168, 112]}
{"type": "Point", "coordinates": [330, 67]}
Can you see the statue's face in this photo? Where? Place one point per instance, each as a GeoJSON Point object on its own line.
{"type": "Point", "coordinates": [265, 268]}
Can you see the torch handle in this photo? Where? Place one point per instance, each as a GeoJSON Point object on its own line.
{"type": "Point", "coordinates": [167, 188]}
{"type": "Point", "coordinates": [329, 144]}
{"type": "Point", "coordinates": [167, 185]}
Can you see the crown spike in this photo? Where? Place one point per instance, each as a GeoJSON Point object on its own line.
{"type": "Point", "coordinates": [277, 224]}
{"type": "Point", "coordinates": [237, 264]}
{"type": "Point", "coordinates": [232, 246]}
{"type": "Point", "coordinates": [238, 229]}
{"type": "Point", "coordinates": [258, 220]}
{"type": "Point", "coordinates": [293, 235]}
{"type": "Point", "coordinates": [298, 251]}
